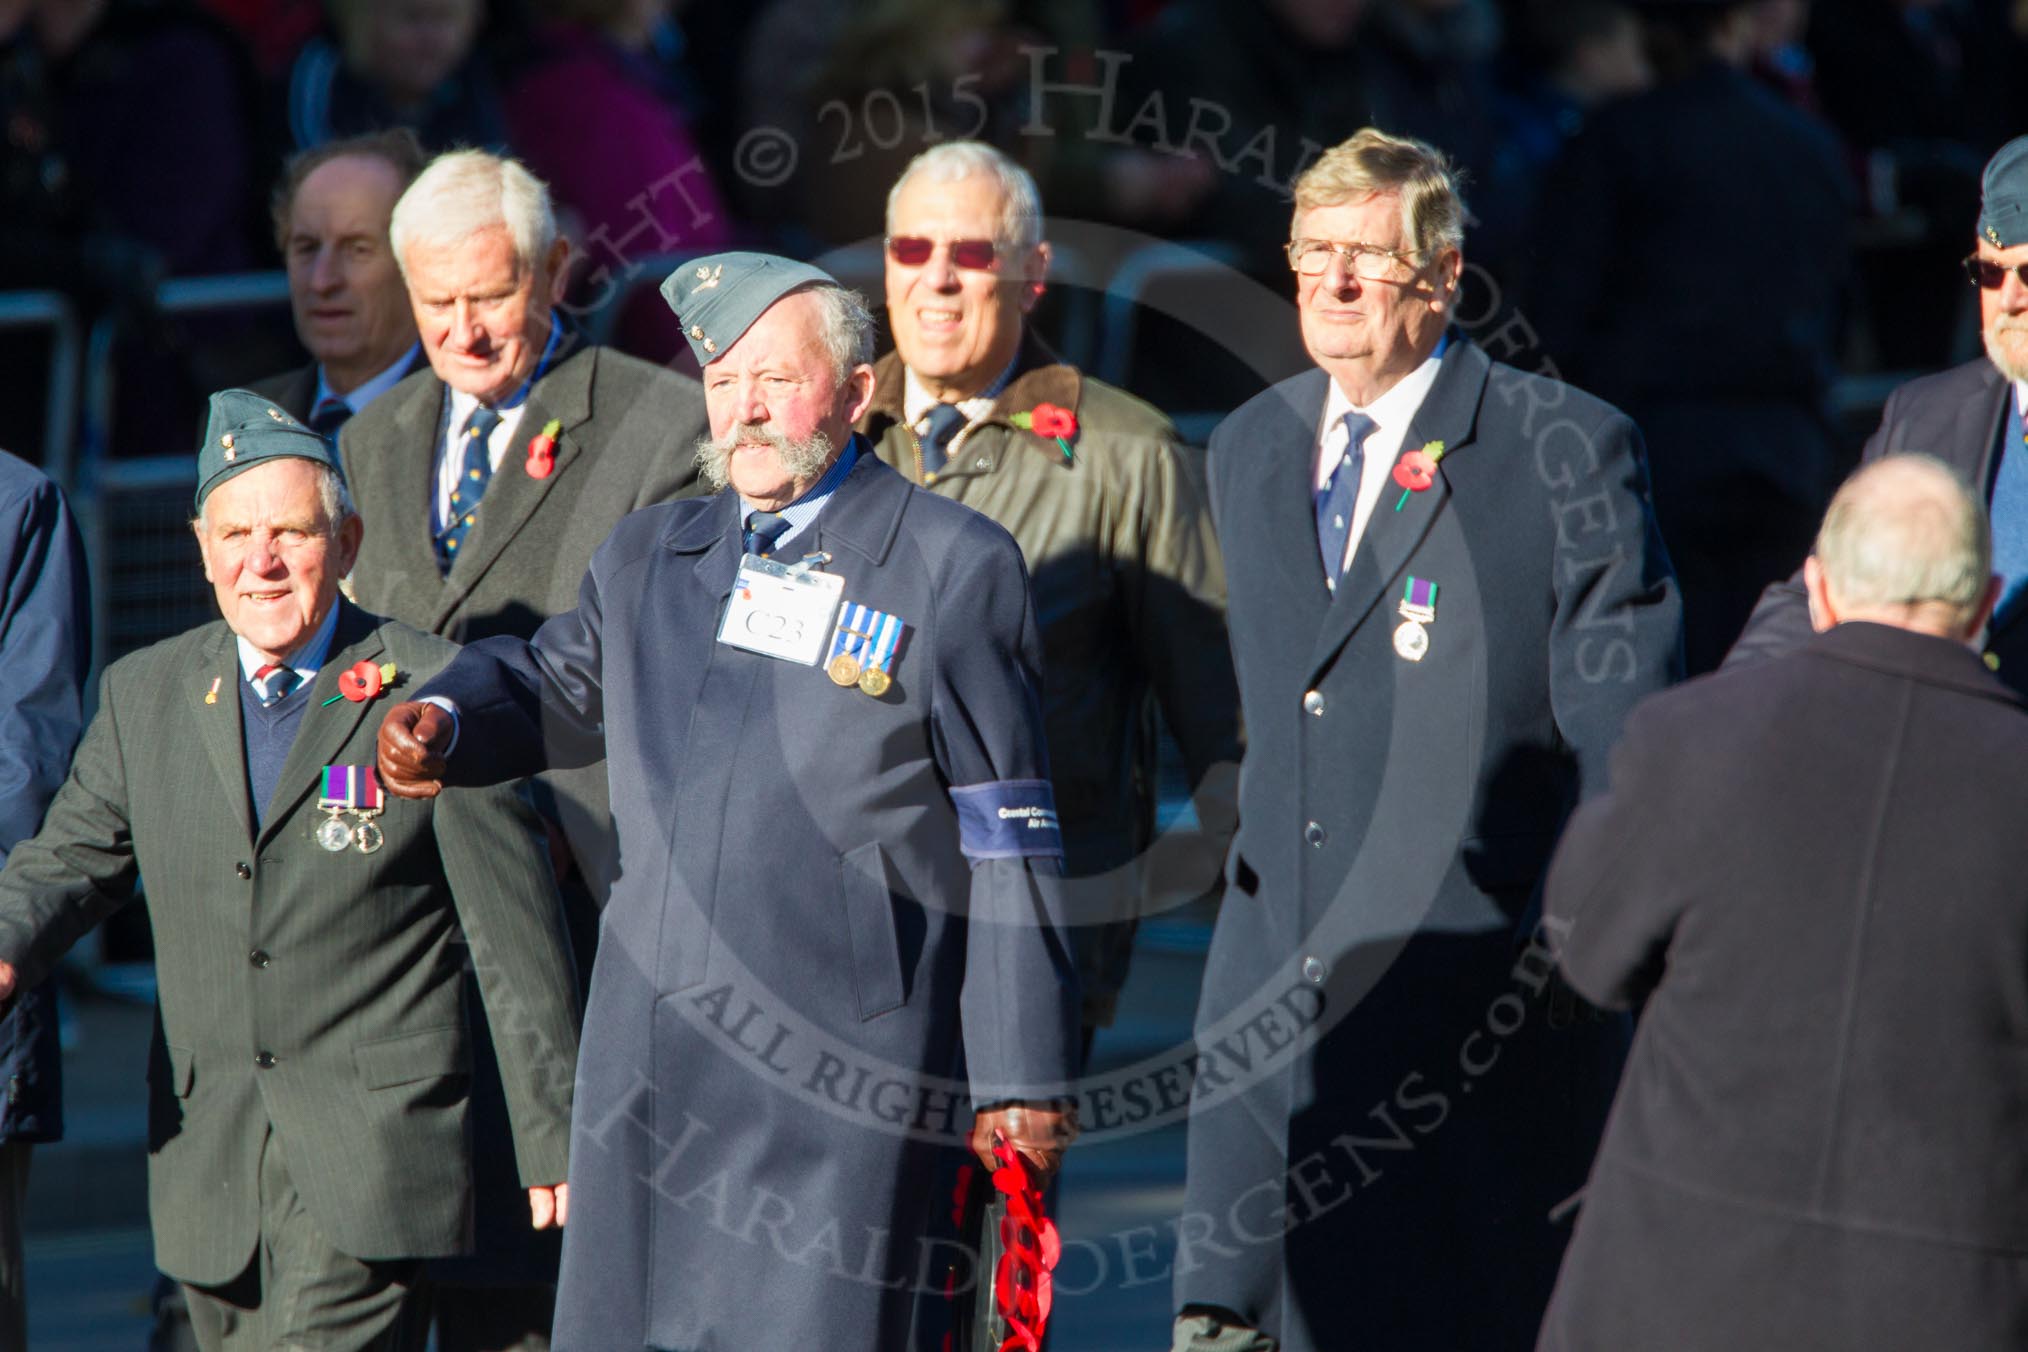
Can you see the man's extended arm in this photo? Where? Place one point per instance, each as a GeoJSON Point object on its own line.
{"type": "Point", "coordinates": [521, 706]}
{"type": "Point", "coordinates": [1019, 1004]}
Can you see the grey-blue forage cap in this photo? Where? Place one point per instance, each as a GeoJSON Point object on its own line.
{"type": "Point", "coordinates": [718, 298]}
{"type": "Point", "coordinates": [244, 430]}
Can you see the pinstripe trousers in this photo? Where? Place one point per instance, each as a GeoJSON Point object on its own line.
{"type": "Point", "coordinates": [298, 1294]}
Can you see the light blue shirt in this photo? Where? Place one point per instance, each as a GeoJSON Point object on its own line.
{"type": "Point", "coordinates": [369, 389]}
{"type": "Point", "coordinates": [803, 510]}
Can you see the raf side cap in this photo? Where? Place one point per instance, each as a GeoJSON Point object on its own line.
{"type": "Point", "coordinates": [245, 430]}
{"type": "Point", "coordinates": [718, 298]}
{"type": "Point", "coordinates": [2003, 196]}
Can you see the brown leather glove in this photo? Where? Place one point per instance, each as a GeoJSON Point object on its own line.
{"type": "Point", "coordinates": [413, 737]}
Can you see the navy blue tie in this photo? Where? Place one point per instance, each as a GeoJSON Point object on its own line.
{"type": "Point", "coordinates": [944, 422]}
{"type": "Point", "coordinates": [1339, 495]}
{"type": "Point", "coordinates": [328, 417]}
{"type": "Point", "coordinates": [762, 530]}
{"type": "Point", "coordinates": [473, 477]}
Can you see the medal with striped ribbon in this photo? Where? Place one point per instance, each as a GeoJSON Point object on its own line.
{"type": "Point", "coordinates": [354, 789]}
{"type": "Point", "coordinates": [862, 650]}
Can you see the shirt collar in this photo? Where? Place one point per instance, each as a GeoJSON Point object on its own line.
{"type": "Point", "coordinates": [917, 401]}
{"type": "Point", "coordinates": [2021, 399]}
{"type": "Point", "coordinates": [1396, 407]}
{"type": "Point", "coordinates": [462, 404]}
{"type": "Point", "coordinates": [804, 510]}
{"type": "Point", "coordinates": [305, 661]}
{"type": "Point", "coordinates": [369, 389]}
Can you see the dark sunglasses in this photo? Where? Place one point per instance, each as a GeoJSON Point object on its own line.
{"type": "Point", "coordinates": [973, 255]}
{"type": "Point", "coordinates": [1990, 276]}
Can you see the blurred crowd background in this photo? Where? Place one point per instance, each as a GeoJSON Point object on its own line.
{"type": "Point", "coordinates": [1741, 222]}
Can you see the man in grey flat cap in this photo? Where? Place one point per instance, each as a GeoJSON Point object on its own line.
{"type": "Point", "coordinates": [1972, 418]}
{"type": "Point", "coordinates": [836, 947]}
{"type": "Point", "coordinates": [312, 1062]}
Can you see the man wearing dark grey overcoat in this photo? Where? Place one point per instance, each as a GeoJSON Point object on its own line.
{"type": "Point", "coordinates": [836, 949]}
{"type": "Point", "coordinates": [478, 246]}
{"type": "Point", "coordinates": [490, 478]}
{"type": "Point", "coordinates": [1446, 590]}
{"type": "Point", "coordinates": [309, 1076]}
{"type": "Point", "coordinates": [1808, 876]}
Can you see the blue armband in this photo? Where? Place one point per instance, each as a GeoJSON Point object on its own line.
{"type": "Point", "coordinates": [1008, 819]}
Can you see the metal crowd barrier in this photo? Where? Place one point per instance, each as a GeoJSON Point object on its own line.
{"type": "Point", "coordinates": [136, 510]}
{"type": "Point", "coordinates": [50, 310]}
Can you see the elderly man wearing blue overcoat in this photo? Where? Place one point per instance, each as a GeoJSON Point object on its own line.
{"type": "Point", "coordinates": [1447, 590]}
{"type": "Point", "coordinates": [834, 947]}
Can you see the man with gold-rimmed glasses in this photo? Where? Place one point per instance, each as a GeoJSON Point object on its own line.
{"type": "Point", "coordinates": [1446, 592]}
{"type": "Point", "coordinates": [1971, 417]}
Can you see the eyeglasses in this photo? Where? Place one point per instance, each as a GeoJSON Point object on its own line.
{"type": "Point", "coordinates": [1370, 262]}
{"type": "Point", "coordinates": [973, 255]}
{"type": "Point", "coordinates": [1990, 276]}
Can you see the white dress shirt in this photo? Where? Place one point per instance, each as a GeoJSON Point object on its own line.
{"type": "Point", "coordinates": [1391, 413]}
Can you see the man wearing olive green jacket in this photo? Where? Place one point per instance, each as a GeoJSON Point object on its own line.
{"type": "Point", "coordinates": [312, 1060]}
{"type": "Point", "coordinates": [1110, 517]}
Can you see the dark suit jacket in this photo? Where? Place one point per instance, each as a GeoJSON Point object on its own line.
{"type": "Point", "coordinates": [294, 392]}
{"type": "Point", "coordinates": [793, 862]}
{"type": "Point", "coordinates": [1395, 818]}
{"type": "Point", "coordinates": [311, 992]}
{"type": "Point", "coordinates": [45, 647]}
{"type": "Point", "coordinates": [1957, 416]}
{"type": "Point", "coordinates": [628, 437]}
{"type": "Point", "coordinates": [1811, 870]}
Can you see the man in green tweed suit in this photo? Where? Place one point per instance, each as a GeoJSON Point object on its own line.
{"type": "Point", "coordinates": [308, 1081]}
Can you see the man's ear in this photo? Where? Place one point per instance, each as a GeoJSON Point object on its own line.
{"type": "Point", "coordinates": [1823, 615]}
{"type": "Point", "coordinates": [559, 269]}
{"type": "Point", "coordinates": [856, 395]}
{"type": "Point", "coordinates": [1975, 632]}
{"type": "Point", "coordinates": [350, 532]}
{"type": "Point", "coordinates": [1035, 277]}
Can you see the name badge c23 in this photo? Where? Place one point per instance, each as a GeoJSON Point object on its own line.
{"type": "Point", "coordinates": [782, 610]}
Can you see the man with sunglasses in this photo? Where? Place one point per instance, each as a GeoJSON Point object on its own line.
{"type": "Point", "coordinates": [1970, 417]}
{"type": "Point", "coordinates": [1447, 590]}
{"type": "Point", "coordinates": [1110, 519]}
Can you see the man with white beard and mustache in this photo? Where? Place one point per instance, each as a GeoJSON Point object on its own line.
{"type": "Point", "coordinates": [834, 953]}
{"type": "Point", "coordinates": [1974, 418]}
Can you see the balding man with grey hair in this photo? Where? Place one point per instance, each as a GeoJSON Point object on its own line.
{"type": "Point", "coordinates": [1809, 873]}
{"type": "Point", "coordinates": [490, 478]}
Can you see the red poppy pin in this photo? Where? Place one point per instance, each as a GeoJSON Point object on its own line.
{"type": "Point", "coordinates": [363, 681]}
{"type": "Point", "coordinates": [542, 450]}
{"type": "Point", "coordinates": [1416, 470]}
{"type": "Point", "coordinates": [1049, 420]}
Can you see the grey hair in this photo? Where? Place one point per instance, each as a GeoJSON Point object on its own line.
{"type": "Point", "coordinates": [466, 191]}
{"type": "Point", "coordinates": [846, 326]}
{"type": "Point", "coordinates": [955, 161]}
{"type": "Point", "coordinates": [1370, 161]}
{"type": "Point", "coordinates": [1905, 530]}
{"type": "Point", "coordinates": [332, 495]}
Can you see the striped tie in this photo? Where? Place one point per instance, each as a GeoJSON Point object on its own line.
{"type": "Point", "coordinates": [276, 680]}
